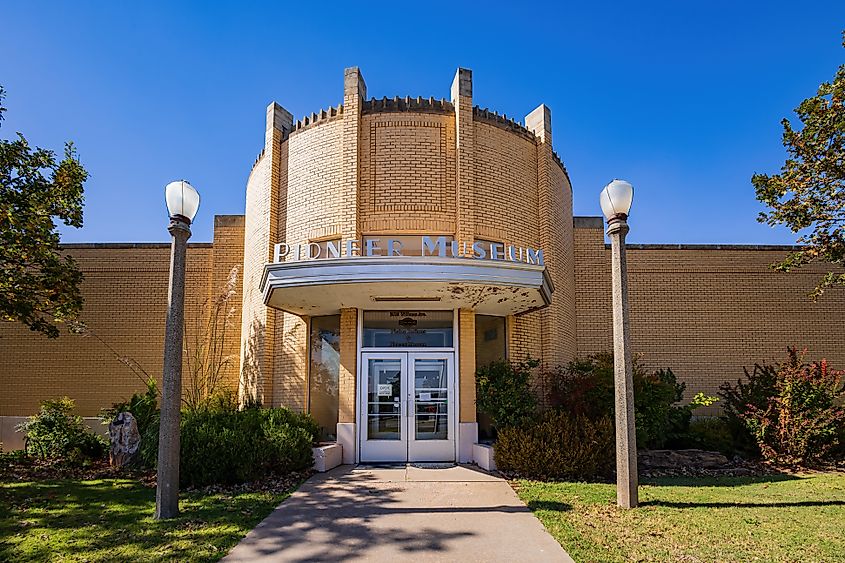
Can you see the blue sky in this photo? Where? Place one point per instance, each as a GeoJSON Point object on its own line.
{"type": "Point", "coordinates": [682, 99]}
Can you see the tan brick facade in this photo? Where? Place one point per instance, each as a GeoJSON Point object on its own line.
{"type": "Point", "coordinates": [419, 166]}
{"type": "Point", "coordinates": [125, 292]}
{"type": "Point", "coordinates": [705, 311]}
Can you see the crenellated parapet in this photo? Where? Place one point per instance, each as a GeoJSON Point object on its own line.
{"type": "Point", "coordinates": [324, 116]}
{"type": "Point", "coordinates": [397, 104]}
{"type": "Point", "coordinates": [502, 122]}
{"type": "Point", "coordinates": [560, 163]}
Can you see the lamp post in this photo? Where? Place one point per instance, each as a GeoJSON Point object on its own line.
{"type": "Point", "coordinates": [615, 199]}
{"type": "Point", "coordinates": [182, 204]}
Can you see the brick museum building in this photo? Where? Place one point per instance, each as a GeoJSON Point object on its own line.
{"type": "Point", "coordinates": [388, 248]}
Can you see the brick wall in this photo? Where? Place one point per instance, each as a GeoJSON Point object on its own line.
{"type": "Point", "coordinates": [705, 311]}
{"type": "Point", "coordinates": [125, 292]}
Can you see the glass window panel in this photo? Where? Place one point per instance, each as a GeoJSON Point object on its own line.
{"type": "Point", "coordinates": [408, 329]}
{"type": "Point", "coordinates": [323, 372]}
{"type": "Point", "coordinates": [490, 346]}
{"type": "Point", "coordinates": [431, 397]}
{"type": "Point", "coordinates": [490, 339]}
{"type": "Point", "coordinates": [384, 393]}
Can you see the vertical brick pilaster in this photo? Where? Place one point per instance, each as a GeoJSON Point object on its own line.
{"type": "Point", "coordinates": [465, 154]}
{"type": "Point", "coordinates": [466, 363]}
{"type": "Point", "coordinates": [348, 365]}
{"type": "Point", "coordinates": [354, 93]}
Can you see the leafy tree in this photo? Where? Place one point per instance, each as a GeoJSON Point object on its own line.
{"type": "Point", "coordinates": [809, 193]}
{"type": "Point", "coordinates": [39, 286]}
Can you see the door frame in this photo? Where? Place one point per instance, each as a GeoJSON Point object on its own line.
{"type": "Point", "coordinates": [407, 449]}
{"type": "Point", "coordinates": [359, 374]}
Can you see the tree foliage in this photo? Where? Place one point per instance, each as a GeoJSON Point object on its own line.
{"type": "Point", "coordinates": [39, 286]}
{"type": "Point", "coordinates": [808, 195]}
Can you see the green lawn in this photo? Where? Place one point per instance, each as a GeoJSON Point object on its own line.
{"type": "Point", "coordinates": [706, 519]}
{"type": "Point", "coordinates": [111, 520]}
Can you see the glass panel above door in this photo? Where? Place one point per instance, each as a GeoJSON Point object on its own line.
{"type": "Point", "coordinates": [408, 329]}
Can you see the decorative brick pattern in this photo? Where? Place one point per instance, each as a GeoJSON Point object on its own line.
{"type": "Point", "coordinates": [407, 185]}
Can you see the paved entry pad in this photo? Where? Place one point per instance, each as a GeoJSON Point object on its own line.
{"type": "Point", "coordinates": [401, 513]}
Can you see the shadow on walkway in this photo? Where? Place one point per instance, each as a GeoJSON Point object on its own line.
{"type": "Point", "coordinates": [351, 515]}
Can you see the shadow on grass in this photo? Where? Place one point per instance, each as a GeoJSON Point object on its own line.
{"type": "Point", "coordinates": [92, 519]}
{"type": "Point", "coordinates": [551, 505]}
{"type": "Point", "coordinates": [717, 481]}
{"type": "Point", "coordinates": [797, 504]}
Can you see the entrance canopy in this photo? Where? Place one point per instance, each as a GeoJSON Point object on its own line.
{"type": "Point", "coordinates": [323, 287]}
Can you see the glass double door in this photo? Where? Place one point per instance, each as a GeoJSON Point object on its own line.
{"type": "Point", "coordinates": [407, 410]}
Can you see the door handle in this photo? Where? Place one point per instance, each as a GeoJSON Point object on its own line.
{"type": "Point", "coordinates": [409, 406]}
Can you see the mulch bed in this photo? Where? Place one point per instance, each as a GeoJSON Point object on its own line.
{"type": "Point", "coordinates": [20, 468]}
{"type": "Point", "coordinates": [16, 468]}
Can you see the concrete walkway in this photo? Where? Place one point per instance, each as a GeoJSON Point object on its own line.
{"type": "Point", "coordinates": [398, 514]}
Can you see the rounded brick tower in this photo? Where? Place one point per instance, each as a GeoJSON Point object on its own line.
{"type": "Point", "coordinates": [409, 193]}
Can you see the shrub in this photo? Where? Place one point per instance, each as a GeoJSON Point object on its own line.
{"type": "Point", "coordinates": [230, 446]}
{"type": "Point", "coordinates": [557, 445]}
{"type": "Point", "coordinates": [752, 393]}
{"type": "Point", "coordinates": [56, 433]}
{"type": "Point", "coordinates": [503, 391]}
{"type": "Point", "coordinates": [802, 420]}
{"type": "Point", "coordinates": [585, 387]}
{"type": "Point", "coordinates": [710, 433]}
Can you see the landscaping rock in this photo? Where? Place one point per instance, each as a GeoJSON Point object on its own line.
{"type": "Point", "coordinates": [677, 459]}
{"type": "Point", "coordinates": [125, 440]}
{"type": "Point", "coordinates": [698, 463]}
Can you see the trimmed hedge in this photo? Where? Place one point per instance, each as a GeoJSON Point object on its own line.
{"type": "Point", "coordinates": [557, 445]}
{"type": "Point", "coordinates": [230, 446]}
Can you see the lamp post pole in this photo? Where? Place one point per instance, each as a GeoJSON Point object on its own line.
{"type": "Point", "coordinates": [616, 202]}
{"type": "Point", "coordinates": [182, 208]}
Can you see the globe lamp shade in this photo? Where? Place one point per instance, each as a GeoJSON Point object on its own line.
{"type": "Point", "coordinates": [183, 200]}
{"type": "Point", "coordinates": [616, 198]}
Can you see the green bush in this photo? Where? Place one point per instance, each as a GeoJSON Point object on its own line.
{"type": "Point", "coordinates": [585, 387]}
{"type": "Point", "coordinates": [802, 420]}
{"type": "Point", "coordinates": [56, 433]}
{"type": "Point", "coordinates": [710, 433]}
{"type": "Point", "coordinates": [754, 393]}
{"type": "Point", "coordinates": [503, 391]}
{"type": "Point", "coordinates": [228, 446]}
{"type": "Point", "coordinates": [557, 445]}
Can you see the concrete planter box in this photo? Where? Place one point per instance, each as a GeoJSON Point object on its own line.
{"type": "Point", "coordinates": [482, 454]}
{"type": "Point", "coordinates": [327, 456]}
